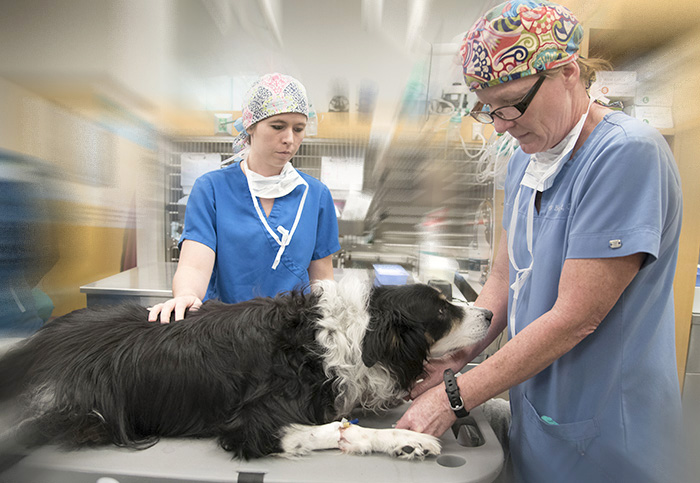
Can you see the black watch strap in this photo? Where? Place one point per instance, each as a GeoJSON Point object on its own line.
{"type": "Point", "coordinates": [452, 390]}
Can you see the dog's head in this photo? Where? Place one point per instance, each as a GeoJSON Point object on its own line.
{"type": "Point", "coordinates": [410, 323]}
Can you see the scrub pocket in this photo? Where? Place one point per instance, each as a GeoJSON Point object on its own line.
{"type": "Point", "coordinates": [554, 449]}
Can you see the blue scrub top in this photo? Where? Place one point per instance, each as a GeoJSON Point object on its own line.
{"type": "Point", "coordinates": [220, 214]}
{"type": "Point", "coordinates": [607, 410]}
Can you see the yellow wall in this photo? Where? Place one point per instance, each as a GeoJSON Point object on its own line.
{"type": "Point", "coordinates": [686, 148]}
{"type": "Point", "coordinates": [87, 254]}
{"type": "Point", "coordinates": [88, 217]}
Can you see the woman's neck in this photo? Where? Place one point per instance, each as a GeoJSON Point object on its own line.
{"type": "Point", "coordinates": [262, 169]}
{"type": "Point", "coordinates": [596, 114]}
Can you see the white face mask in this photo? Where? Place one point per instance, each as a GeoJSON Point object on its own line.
{"type": "Point", "coordinates": [281, 185]}
{"type": "Point", "coordinates": [539, 176]}
{"type": "Point", "coordinates": [545, 166]}
{"type": "Point", "coordinates": [273, 186]}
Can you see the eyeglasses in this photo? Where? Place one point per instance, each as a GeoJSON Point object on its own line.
{"type": "Point", "coordinates": [507, 113]}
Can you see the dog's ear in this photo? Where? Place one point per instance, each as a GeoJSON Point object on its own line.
{"type": "Point", "coordinates": [395, 339]}
{"type": "Point", "coordinates": [381, 339]}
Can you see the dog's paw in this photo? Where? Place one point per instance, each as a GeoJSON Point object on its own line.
{"type": "Point", "coordinates": [395, 442]}
{"type": "Point", "coordinates": [416, 446]}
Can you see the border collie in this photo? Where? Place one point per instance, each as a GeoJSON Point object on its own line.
{"type": "Point", "coordinates": [266, 376]}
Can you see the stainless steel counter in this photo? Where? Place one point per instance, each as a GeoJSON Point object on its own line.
{"type": "Point", "coordinates": [691, 385]}
{"type": "Point", "coordinates": [144, 285]}
{"type": "Point", "coordinates": [150, 284]}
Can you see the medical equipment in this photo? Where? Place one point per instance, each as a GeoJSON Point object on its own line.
{"type": "Point", "coordinates": [312, 123]}
{"type": "Point", "coordinates": [456, 95]}
{"type": "Point", "coordinates": [494, 158]}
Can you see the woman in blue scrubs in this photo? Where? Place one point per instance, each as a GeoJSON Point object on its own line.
{"type": "Point", "coordinates": [583, 277]}
{"type": "Point", "coordinates": [257, 227]}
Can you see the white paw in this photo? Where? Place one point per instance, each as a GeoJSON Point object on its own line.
{"type": "Point", "coordinates": [395, 442]}
{"type": "Point", "coordinates": [416, 446]}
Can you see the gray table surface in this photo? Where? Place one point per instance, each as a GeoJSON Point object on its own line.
{"type": "Point", "coordinates": [202, 460]}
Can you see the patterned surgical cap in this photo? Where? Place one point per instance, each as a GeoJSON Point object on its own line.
{"type": "Point", "coordinates": [270, 95]}
{"type": "Point", "coordinates": [273, 94]}
{"type": "Point", "coordinates": [517, 39]}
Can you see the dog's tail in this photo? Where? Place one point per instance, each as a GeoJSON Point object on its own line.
{"type": "Point", "coordinates": [14, 366]}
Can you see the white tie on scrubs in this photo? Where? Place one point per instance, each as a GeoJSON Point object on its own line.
{"type": "Point", "coordinates": [276, 187]}
{"type": "Point", "coordinates": [539, 176]}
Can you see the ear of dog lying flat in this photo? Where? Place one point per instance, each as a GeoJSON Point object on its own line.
{"type": "Point", "coordinates": [261, 376]}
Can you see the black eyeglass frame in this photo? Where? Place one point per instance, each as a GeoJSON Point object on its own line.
{"type": "Point", "coordinates": [488, 117]}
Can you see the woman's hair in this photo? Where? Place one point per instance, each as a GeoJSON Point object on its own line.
{"type": "Point", "coordinates": [588, 68]}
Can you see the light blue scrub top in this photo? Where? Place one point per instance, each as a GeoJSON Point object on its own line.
{"type": "Point", "coordinates": [605, 411]}
{"type": "Point", "coordinates": [220, 214]}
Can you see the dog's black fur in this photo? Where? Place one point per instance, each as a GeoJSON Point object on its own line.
{"type": "Point", "coordinates": [238, 372]}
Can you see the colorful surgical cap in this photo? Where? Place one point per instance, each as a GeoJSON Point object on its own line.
{"type": "Point", "coordinates": [270, 95]}
{"type": "Point", "coordinates": [273, 94]}
{"type": "Point", "coordinates": [517, 39]}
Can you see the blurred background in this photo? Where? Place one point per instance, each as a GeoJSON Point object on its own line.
{"type": "Point", "coordinates": [109, 109]}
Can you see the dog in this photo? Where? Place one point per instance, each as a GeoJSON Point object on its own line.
{"type": "Point", "coordinates": [265, 376]}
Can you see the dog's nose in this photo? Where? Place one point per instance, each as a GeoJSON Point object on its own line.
{"type": "Point", "coordinates": [488, 315]}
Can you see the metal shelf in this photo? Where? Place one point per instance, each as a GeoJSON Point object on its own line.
{"type": "Point", "coordinates": [413, 179]}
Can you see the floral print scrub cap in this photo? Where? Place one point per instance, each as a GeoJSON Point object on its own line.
{"type": "Point", "coordinates": [270, 95]}
{"type": "Point", "coordinates": [517, 39]}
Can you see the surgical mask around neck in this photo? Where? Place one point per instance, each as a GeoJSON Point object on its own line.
{"type": "Point", "coordinates": [546, 165]}
{"type": "Point", "coordinates": [273, 186]}
{"type": "Point", "coordinates": [276, 187]}
{"type": "Point", "coordinates": [539, 176]}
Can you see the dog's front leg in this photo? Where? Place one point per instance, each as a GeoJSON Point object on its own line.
{"type": "Point", "coordinates": [395, 442]}
{"type": "Point", "coordinates": [300, 439]}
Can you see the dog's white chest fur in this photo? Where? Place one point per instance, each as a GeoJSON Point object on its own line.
{"type": "Point", "coordinates": [343, 327]}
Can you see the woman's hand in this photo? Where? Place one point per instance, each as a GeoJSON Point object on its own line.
{"type": "Point", "coordinates": [436, 367]}
{"type": "Point", "coordinates": [430, 413]}
{"type": "Point", "coordinates": [177, 305]}
{"type": "Point", "coordinates": [189, 283]}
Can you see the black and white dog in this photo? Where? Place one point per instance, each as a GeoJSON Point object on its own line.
{"type": "Point", "coordinates": [266, 376]}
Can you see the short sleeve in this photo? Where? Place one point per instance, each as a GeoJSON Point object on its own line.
{"type": "Point", "coordinates": [327, 241]}
{"type": "Point", "coordinates": [200, 214]}
{"type": "Point", "coordinates": [619, 206]}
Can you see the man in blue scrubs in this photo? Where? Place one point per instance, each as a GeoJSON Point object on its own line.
{"type": "Point", "coordinates": [583, 277]}
{"type": "Point", "coordinates": [257, 227]}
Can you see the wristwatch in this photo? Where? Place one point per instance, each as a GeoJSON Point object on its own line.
{"type": "Point", "coordinates": [452, 390]}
